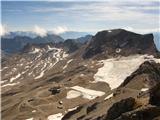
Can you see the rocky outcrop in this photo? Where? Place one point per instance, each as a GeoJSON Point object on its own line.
{"type": "Point", "coordinates": [71, 45]}
{"type": "Point", "coordinates": [143, 113]}
{"type": "Point", "coordinates": [149, 72]}
{"type": "Point", "coordinates": [120, 42]}
{"type": "Point", "coordinates": [155, 95]}
{"type": "Point", "coordinates": [120, 107]}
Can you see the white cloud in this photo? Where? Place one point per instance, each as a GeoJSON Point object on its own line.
{"type": "Point", "coordinates": [142, 30]}
{"type": "Point", "coordinates": [3, 30]}
{"type": "Point", "coordinates": [60, 29]}
{"type": "Point", "coordinates": [39, 31]}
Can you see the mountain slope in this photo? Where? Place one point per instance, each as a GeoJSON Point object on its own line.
{"type": "Point", "coordinates": [120, 42]}
{"type": "Point", "coordinates": [57, 81]}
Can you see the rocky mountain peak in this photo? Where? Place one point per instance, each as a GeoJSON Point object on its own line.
{"type": "Point", "coordinates": [120, 42]}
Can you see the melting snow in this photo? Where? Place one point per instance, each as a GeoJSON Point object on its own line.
{"type": "Point", "coordinates": [144, 89]}
{"type": "Point", "coordinates": [67, 63]}
{"type": "Point", "coordinates": [57, 116]}
{"type": "Point", "coordinates": [13, 78]}
{"type": "Point", "coordinates": [39, 76]}
{"type": "Point", "coordinates": [73, 94]}
{"type": "Point", "coordinates": [29, 119]}
{"type": "Point", "coordinates": [35, 51]}
{"type": "Point", "coordinates": [33, 111]}
{"type": "Point", "coordinates": [51, 48]}
{"type": "Point", "coordinates": [108, 97]}
{"type": "Point", "coordinates": [10, 84]}
{"type": "Point", "coordinates": [115, 70]}
{"type": "Point", "coordinates": [71, 109]}
{"type": "Point", "coordinates": [65, 55]}
{"type": "Point", "coordinates": [84, 92]}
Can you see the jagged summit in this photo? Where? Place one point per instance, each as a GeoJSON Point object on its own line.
{"type": "Point", "coordinates": [120, 42]}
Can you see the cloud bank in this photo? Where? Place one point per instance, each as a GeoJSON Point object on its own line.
{"type": "Point", "coordinates": [60, 29]}
{"type": "Point", "coordinates": [39, 31]}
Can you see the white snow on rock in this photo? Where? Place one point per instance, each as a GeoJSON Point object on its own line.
{"type": "Point", "coordinates": [84, 92]}
{"type": "Point", "coordinates": [33, 111]}
{"type": "Point", "coordinates": [116, 70]}
{"type": "Point", "coordinates": [35, 51]}
{"type": "Point", "coordinates": [10, 84]}
{"type": "Point", "coordinates": [65, 55]}
{"type": "Point", "coordinates": [144, 89]}
{"type": "Point", "coordinates": [29, 119]}
{"type": "Point", "coordinates": [73, 94]}
{"type": "Point", "coordinates": [14, 78]}
{"type": "Point", "coordinates": [69, 61]}
{"type": "Point", "coordinates": [71, 109]}
{"type": "Point", "coordinates": [109, 96]}
{"type": "Point", "coordinates": [57, 116]}
{"type": "Point", "coordinates": [50, 48]}
{"type": "Point", "coordinates": [40, 75]}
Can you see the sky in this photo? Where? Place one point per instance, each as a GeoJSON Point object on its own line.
{"type": "Point", "coordinates": [86, 16]}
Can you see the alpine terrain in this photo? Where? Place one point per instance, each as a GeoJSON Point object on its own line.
{"type": "Point", "coordinates": [113, 75]}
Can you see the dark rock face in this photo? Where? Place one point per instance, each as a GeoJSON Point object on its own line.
{"type": "Point", "coordinates": [145, 113]}
{"type": "Point", "coordinates": [155, 95]}
{"type": "Point", "coordinates": [120, 42]}
{"type": "Point", "coordinates": [71, 45]}
{"type": "Point", "coordinates": [150, 71]}
{"type": "Point", "coordinates": [120, 107]}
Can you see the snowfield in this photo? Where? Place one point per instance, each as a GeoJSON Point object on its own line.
{"type": "Point", "coordinates": [84, 92]}
{"type": "Point", "coordinates": [116, 70]}
{"type": "Point", "coordinates": [57, 116]}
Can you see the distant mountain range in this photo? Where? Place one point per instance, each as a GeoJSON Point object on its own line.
{"type": "Point", "coordinates": [113, 75]}
{"type": "Point", "coordinates": [65, 35]}
{"type": "Point", "coordinates": [15, 41]}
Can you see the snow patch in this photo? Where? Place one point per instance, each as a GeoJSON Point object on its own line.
{"type": "Point", "coordinates": [13, 78]}
{"type": "Point", "coordinates": [57, 116]}
{"type": "Point", "coordinates": [73, 94]}
{"type": "Point", "coordinates": [116, 70]}
{"type": "Point", "coordinates": [36, 50]}
{"type": "Point", "coordinates": [144, 89]}
{"type": "Point", "coordinates": [71, 109]}
{"type": "Point", "coordinates": [33, 111]}
{"type": "Point", "coordinates": [29, 119]}
{"type": "Point", "coordinates": [109, 96]}
{"type": "Point", "coordinates": [65, 55]}
{"type": "Point", "coordinates": [84, 92]}
{"type": "Point", "coordinates": [10, 84]}
{"type": "Point", "coordinates": [67, 63]}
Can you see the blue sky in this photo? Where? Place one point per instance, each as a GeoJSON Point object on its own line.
{"type": "Point", "coordinates": [135, 15]}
